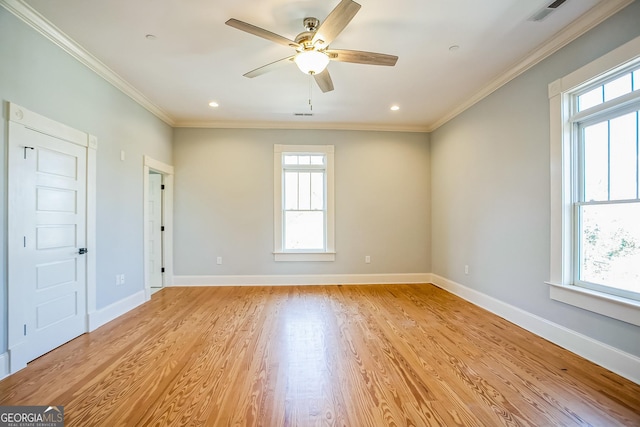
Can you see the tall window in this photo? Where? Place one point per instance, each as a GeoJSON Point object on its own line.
{"type": "Point", "coordinates": [607, 202]}
{"type": "Point", "coordinates": [304, 216]}
{"type": "Point", "coordinates": [595, 185]}
{"type": "Point", "coordinates": [303, 204]}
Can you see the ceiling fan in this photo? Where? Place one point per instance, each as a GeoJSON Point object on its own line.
{"type": "Point", "coordinates": [312, 46]}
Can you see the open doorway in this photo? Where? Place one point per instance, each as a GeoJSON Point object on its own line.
{"type": "Point", "coordinates": [158, 210]}
{"type": "Point", "coordinates": [155, 224]}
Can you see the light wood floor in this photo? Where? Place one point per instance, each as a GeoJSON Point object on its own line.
{"type": "Point", "coordinates": [322, 355]}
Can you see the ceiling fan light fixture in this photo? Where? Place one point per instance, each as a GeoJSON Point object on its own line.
{"type": "Point", "coordinates": [311, 61]}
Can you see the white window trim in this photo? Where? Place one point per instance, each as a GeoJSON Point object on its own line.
{"type": "Point", "coordinates": [279, 253]}
{"type": "Point", "coordinates": [560, 267]}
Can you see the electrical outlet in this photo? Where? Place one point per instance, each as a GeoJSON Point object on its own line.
{"type": "Point", "coordinates": [122, 279]}
{"type": "Point", "coordinates": [367, 259]}
{"type": "Point", "coordinates": [219, 260]}
{"type": "Point", "coordinates": [466, 269]}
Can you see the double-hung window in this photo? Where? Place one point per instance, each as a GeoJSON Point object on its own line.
{"type": "Point", "coordinates": [303, 203]}
{"type": "Point", "coordinates": [595, 185]}
{"type": "Point", "coordinates": [607, 203]}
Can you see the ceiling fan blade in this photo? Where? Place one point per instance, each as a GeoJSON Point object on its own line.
{"type": "Point", "coordinates": [261, 32]}
{"type": "Point", "coordinates": [324, 81]}
{"type": "Point", "coordinates": [336, 21]}
{"type": "Point", "coordinates": [360, 57]}
{"type": "Point", "coordinates": [269, 67]}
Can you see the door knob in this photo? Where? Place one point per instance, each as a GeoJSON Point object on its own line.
{"type": "Point", "coordinates": [82, 251]}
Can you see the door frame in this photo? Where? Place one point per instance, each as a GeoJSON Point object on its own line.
{"type": "Point", "coordinates": [150, 164]}
{"type": "Point", "coordinates": [21, 116]}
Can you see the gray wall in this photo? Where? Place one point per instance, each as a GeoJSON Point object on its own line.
{"type": "Point", "coordinates": [39, 76]}
{"type": "Point", "coordinates": [490, 190]}
{"type": "Point", "coordinates": [224, 201]}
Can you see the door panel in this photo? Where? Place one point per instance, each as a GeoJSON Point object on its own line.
{"type": "Point", "coordinates": [55, 236]}
{"type": "Point", "coordinates": [56, 273]}
{"type": "Point", "coordinates": [53, 311]}
{"type": "Point", "coordinates": [55, 200]}
{"type": "Point", "coordinates": [55, 163]}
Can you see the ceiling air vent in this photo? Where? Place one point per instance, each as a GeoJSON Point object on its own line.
{"type": "Point", "coordinates": [546, 11]}
{"type": "Point", "coordinates": [303, 114]}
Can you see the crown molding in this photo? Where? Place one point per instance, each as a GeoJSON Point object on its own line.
{"type": "Point", "coordinates": [302, 125]}
{"type": "Point", "coordinates": [39, 23]}
{"type": "Point", "coordinates": [577, 28]}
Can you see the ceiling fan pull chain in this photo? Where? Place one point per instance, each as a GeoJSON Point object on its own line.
{"type": "Point", "coordinates": [310, 92]}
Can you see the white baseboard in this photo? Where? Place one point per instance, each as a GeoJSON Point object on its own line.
{"type": "Point", "coordinates": [4, 365]}
{"type": "Point", "coordinates": [623, 364]}
{"type": "Point", "coordinates": [306, 279]}
{"type": "Point", "coordinates": [113, 311]}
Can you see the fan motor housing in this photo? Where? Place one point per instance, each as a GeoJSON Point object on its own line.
{"type": "Point", "coordinates": [304, 38]}
{"type": "Point", "coordinates": [311, 24]}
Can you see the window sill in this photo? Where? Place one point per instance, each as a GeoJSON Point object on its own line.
{"type": "Point", "coordinates": [305, 256]}
{"type": "Point", "coordinates": [624, 309]}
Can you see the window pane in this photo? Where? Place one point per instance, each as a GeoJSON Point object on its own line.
{"type": "Point", "coordinates": [317, 160]}
{"type": "Point", "coordinates": [291, 190]}
{"type": "Point", "coordinates": [317, 191]}
{"type": "Point", "coordinates": [304, 160]}
{"type": "Point", "coordinates": [589, 99]}
{"type": "Point", "coordinates": [618, 87]}
{"type": "Point", "coordinates": [636, 80]}
{"type": "Point", "coordinates": [304, 230]}
{"type": "Point", "coordinates": [290, 160]}
{"type": "Point", "coordinates": [623, 131]}
{"type": "Point", "coordinates": [610, 245]}
{"type": "Point", "coordinates": [596, 162]}
{"type": "Point", "coordinates": [304, 190]}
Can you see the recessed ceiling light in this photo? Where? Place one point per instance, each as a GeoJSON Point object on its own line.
{"type": "Point", "coordinates": [214, 104]}
{"type": "Point", "coordinates": [395, 107]}
{"type": "Point", "coordinates": [150, 37]}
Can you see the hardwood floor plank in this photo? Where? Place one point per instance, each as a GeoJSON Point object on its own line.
{"type": "Point", "coordinates": [319, 356]}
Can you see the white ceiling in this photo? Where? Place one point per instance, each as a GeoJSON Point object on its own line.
{"type": "Point", "coordinates": [196, 58]}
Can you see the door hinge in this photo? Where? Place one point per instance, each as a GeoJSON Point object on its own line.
{"type": "Point", "coordinates": [25, 329]}
{"type": "Point", "coordinates": [162, 186]}
{"type": "Point", "coordinates": [24, 241]}
{"type": "Point", "coordinates": [162, 228]}
{"type": "Point", "coordinates": [25, 151]}
{"type": "Point", "coordinates": [162, 270]}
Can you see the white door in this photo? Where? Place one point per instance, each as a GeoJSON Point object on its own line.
{"type": "Point", "coordinates": [47, 239]}
{"type": "Point", "coordinates": [155, 230]}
